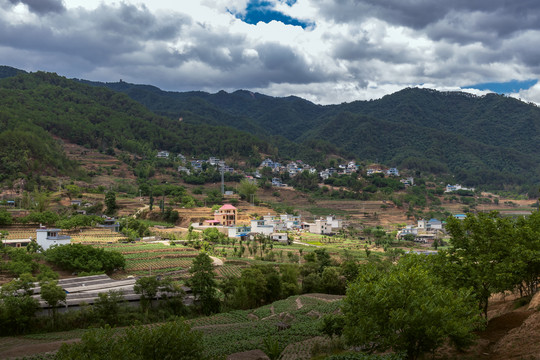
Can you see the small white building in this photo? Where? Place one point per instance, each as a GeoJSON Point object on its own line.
{"type": "Point", "coordinates": [260, 227]}
{"type": "Point", "coordinates": [238, 231]}
{"type": "Point", "coordinates": [184, 170]}
{"type": "Point", "coordinates": [280, 237]}
{"type": "Point", "coordinates": [320, 227]}
{"type": "Point", "coordinates": [334, 222]}
{"type": "Point", "coordinates": [49, 237]}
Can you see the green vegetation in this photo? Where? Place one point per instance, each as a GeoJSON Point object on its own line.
{"type": "Point", "coordinates": [491, 254]}
{"type": "Point", "coordinates": [203, 284]}
{"type": "Point", "coordinates": [172, 340]}
{"type": "Point", "coordinates": [83, 258]}
{"type": "Point", "coordinates": [422, 128]}
{"type": "Point", "coordinates": [407, 309]}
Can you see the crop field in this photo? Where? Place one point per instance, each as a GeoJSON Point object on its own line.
{"type": "Point", "coordinates": [152, 258]}
{"type": "Point", "coordinates": [229, 270]}
{"type": "Point", "coordinates": [234, 332]}
{"type": "Point", "coordinates": [20, 233]}
{"type": "Point", "coordinates": [153, 264]}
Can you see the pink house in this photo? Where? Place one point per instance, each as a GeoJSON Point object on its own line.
{"type": "Point", "coordinates": [226, 215]}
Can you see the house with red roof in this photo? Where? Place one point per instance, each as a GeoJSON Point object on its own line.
{"type": "Point", "coordinates": [226, 215]}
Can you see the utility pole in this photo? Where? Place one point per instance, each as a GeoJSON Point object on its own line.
{"type": "Point", "coordinates": [222, 171]}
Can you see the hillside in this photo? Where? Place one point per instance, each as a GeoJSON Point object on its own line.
{"type": "Point", "coordinates": [38, 105]}
{"type": "Point", "coordinates": [490, 140]}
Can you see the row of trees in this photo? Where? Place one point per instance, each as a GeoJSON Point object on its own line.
{"type": "Point", "coordinates": [417, 305]}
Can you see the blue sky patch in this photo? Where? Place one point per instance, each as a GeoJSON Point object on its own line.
{"type": "Point", "coordinates": [262, 10]}
{"type": "Point", "coordinates": [513, 86]}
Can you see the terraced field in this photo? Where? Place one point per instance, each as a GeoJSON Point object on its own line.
{"type": "Point", "coordinates": [222, 334]}
{"type": "Point", "coordinates": [245, 330]}
{"type": "Point", "coordinates": [145, 258]}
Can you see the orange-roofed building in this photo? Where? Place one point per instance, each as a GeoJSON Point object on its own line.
{"type": "Point", "coordinates": [226, 215]}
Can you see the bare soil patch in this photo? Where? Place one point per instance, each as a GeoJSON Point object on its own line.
{"type": "Point", "coordinates": [11, 347]}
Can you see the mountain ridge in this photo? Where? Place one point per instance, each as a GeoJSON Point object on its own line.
{"type": "Point", "coordinates": [488, 140]}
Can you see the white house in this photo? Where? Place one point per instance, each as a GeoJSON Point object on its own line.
{"type": "Point", "coordinates": [163, 154]}
{"type": "Point", "coordinates": [261, 227]}
{"type": "Point", "coordinates": [184, 169]}
{"type": "Point", "coordinates": [213, 161]}
{"type": "Point", "coordinates": [181, 157]}
{"type": "Point", "coordinates": [430, 225]}
{"type": "Point", "coordinates": [334, 222]}
{"type": "Point", "coordinates": [408, 181]}
{"type": "Point", "coordinates": [238, 231]}
{"type": "Point", "coordinates": [409, 229]}
{"type": "Point", "coordinates": [276, 182]}
{"type": "Point", "coordinates": [49, 237]}
{"type": "Point", "coordinates": [325, 174]}
{"type": "Point", "coordinates": [392, 172]}
{"type": "Point", "coordinates": [280, 237]}
{"type": "Point", "coordinates": [320, 227]}
{"type": "Point", "coordinates": [456, 187]}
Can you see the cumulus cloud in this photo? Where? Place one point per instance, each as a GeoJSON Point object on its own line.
{"type": "Point", "coordinates": [41, 6]}
{"type": "Point", "coordinates": [356, 49]}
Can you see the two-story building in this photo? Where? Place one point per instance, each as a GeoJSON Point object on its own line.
{"type": "Point", "coordinates": [49, 237]}
{"type": "Point", "coordinates": [226, 215]}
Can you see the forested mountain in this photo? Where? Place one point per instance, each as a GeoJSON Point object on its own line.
{"type": "Point", "coordinates": [489, 140]}
{"type": "Point", "coordinates": [482, 140]}
{"type": "Point", "coordinates": [34, 106]}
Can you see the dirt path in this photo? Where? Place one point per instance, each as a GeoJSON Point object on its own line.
{"type": "Point", "coordinates": [23, 347]}
{"type": "Point", "coordinates": [301, 243]}
{"type": "Point", "coordinates": [217, 261]}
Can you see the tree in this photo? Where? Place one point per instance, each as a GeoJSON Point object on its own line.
{"type": "Point", "coordinates": [148, 288]}
{"type": "Point", "coordinates": [480, 255]}
{"type": "Point", "coordinates": [110, 203]}
{"type": "Point", "coordinates": [73, 191]}
{"type": "Point", "coordinates": [53, 295]}
{"type": "Point", "coordinates": [17, 309]}
{"type": "Point", "coordinates": [79, 257]}
{"type": "Point", "coordinates": [526, 254]}
{"type": "Point", "coordinates": [107, 306]}
{"type": "Point", "coordinates": [203, 284]}
{"type": "Point", "coordinates": [41, 200]}
{"type": "Point", "coordinates": [407, 309]}
{"type": "Point", "coordinates": [170, 341]}
{"type": "Point", "coordinates": [246, 189]}
{"type": "Point", "coordinates": [5, 217]}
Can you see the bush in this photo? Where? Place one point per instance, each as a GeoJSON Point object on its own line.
{"type": "Point", "coordinates": [173, 340]}
{"type": "Point", "coordinates": [78, 257]}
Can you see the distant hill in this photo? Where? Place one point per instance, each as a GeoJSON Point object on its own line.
{"type": "Point", "coordinates": [8, 71]}
{"type": "Point", "coordinates": [37, 105]}
{"type": "Point", "coordinates": [42, 105]}
{"type": "Point", "coordinates": [490, 140]}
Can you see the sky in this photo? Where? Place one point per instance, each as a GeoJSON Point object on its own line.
{"type": "Point", "coordinates": [326, 51]}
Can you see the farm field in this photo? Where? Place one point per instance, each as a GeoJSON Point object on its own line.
{"type": "Point", "coordinates": [245, 330]}
{"type": "Point", "coordinates": [152, 258]}
{"type": "Point", "coordinates": [224, 333]}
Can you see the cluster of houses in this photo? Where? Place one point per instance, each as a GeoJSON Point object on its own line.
{"type": "Point", "coordinates": [197, 165]}
{"type": "Point", "coordinates": [293, 167]}
{"type": "Point", "coordinates": [426, 231]}
{"type": "Point", "coordinates": [276, 227]}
